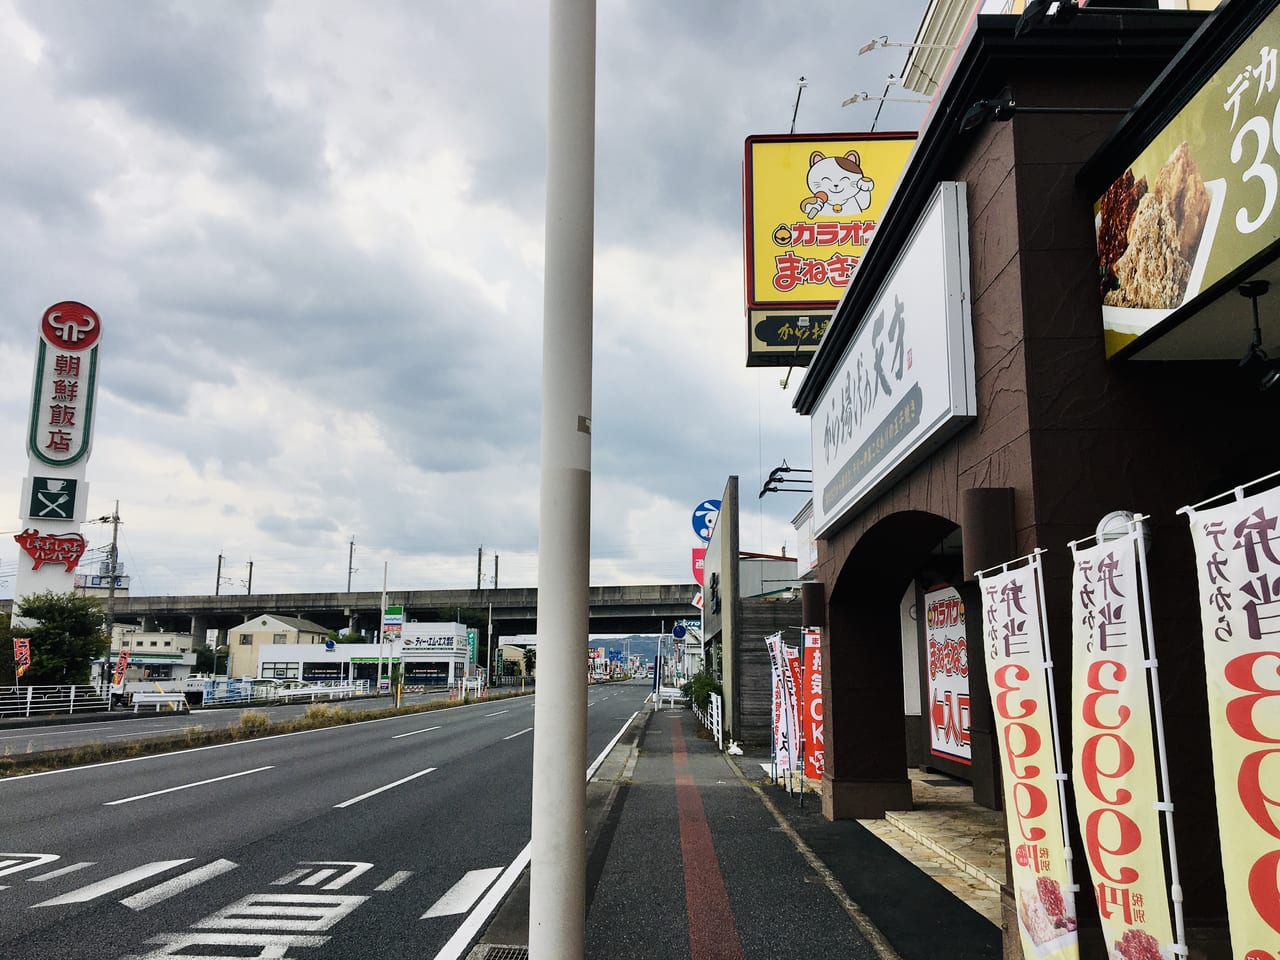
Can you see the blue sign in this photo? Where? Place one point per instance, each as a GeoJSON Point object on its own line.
{"type": "Point", "coordinates": [704, 519]}
{"type": "Point", "coordinates": [678, 631]}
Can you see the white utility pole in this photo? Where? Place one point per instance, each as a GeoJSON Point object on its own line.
{"type": "Point", "coordinates": [382, 626]}
{"type": "Point", "coordinates": [558, 871]}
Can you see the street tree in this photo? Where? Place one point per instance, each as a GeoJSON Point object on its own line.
{"type": "Point", "coordinates": [71, 632]}
{"type": "Point", "coordinates": [530, 661]}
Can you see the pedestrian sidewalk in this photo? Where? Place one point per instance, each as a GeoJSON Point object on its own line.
{"type": "Point", "coordinates": [694, 855]}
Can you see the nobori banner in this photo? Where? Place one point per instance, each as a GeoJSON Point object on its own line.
{"type": "Point", "coordinates": [1238, 563]}
{"type": "Point", "coordinates": [810, 207]}
{"type": "Point", "coordinates": [906, 381]}
{"type": "Point", "coordinates": [1021, 684]}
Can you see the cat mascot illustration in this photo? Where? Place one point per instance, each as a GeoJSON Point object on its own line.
{"type": "Point", "coordinates": [837, 185]}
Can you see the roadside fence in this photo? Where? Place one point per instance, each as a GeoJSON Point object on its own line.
{"type": "Point", "coordinates": [39, 700]}
{"type": "Point", "coordinates": [712, 718]}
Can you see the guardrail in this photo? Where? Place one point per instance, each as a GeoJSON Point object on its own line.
{"type": "Point", "coordinates": [216, 693]}
{"type": "Point", "coordinates": [38, 700]}
{"type": "Point", "coordinates": [712, 718]}
{"type": "Point", "coordinates": [177, 702]}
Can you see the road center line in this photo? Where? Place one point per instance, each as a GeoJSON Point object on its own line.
{"type": "Point", "coordinates": [520, 734]}
{"type": "Point", "coordinates": [186, 786]}
{"type": "Point", "coordinates": [412, 732]}
{"type": "Point", "coordinates": [498, 714]}
{"type": "Point", "coordinates": [374, 793]}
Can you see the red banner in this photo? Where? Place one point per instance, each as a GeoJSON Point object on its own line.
{"type": "Point", "coordinates": [21, 655]}
{"type": "Point", "coordinates": [122, 662]}
{"type": "Point", "coordinates": [815, 750]}
{"type": "Point", "coordinates": [699, 562]}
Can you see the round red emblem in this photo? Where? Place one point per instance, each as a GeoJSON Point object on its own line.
{"type": "Point", "coordinates": [71, 326]}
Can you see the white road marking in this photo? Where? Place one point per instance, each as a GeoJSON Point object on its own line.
{"type": "Point", "coordinates": [412, 732]}
{"type": "Point", "coordinates": [62, 872]}
{"type": "Point", "coordinates": [374, 793]}
{"type": "Point", "coordinates": [179, 884]}
{"type": "Point", "coordinates": [302, 912]}
{"type": "Point", "coordinates": [17, 862]}
{"type": "Point", "coordinates": [143, 733]}
{"type": "Point", "coordinates": [186, 786]}
{"type": "Point", "coordinates": [112, 884]}
{"type": "Point", "coordinates": [314, 878]}
{"type": "Point", "coordinates": [520, 734]}
{"type": "Point", "coordinates": [462, 896]}
{"type": "Point", "coordinates": [498, 714]}
{"type": "Point", "coordinates": [57, 733]}
{"type": "Point", "coordinates": [478, 917]}
{"type": "Point", "coordinates": [393, 881]}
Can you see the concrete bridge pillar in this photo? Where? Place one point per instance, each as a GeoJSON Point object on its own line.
{"type": "Point", "coordinates": [199, 631]}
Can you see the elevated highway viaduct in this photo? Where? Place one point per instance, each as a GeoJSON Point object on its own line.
{"type": "Point", "coordinates": [626, 609]}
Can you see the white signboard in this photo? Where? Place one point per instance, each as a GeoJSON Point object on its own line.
{"type": "Point", "coordinates": [906, 381]}
{"type": "Point", "coordinates": [447, 641]}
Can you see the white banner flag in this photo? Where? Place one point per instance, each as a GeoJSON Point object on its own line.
{"type": "Point", "coordinates": [1238, 562]}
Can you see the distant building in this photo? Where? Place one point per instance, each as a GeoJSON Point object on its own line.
{"type": "Point", "coordinates": [154, 655]}
{"type": "Point", "coordinates": [245, 641]}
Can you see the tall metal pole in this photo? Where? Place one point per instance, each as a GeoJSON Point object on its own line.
{"type": "Point", "coordinates": [110, 588]}
{"type": "Point", "coordinates": [351, 562]}
{"type": "Point", "coordinates": [248, 590]}
{"type": "Point", "coordinates": [479, 564]}
{"type": "Point", "coordinates": [382, 625]}
{"type": "Point", "coordinates": [557, 879]}
{"type": "Point", "coordinates": [495, 571]}
{"type": "Point", "coordinates": [217, 586]}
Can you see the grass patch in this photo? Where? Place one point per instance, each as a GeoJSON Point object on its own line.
{"type": "Point", "coordinates": [250, 725]}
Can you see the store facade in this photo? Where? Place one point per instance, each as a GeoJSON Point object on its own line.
{"type": "Point", "coordinates": [968, 407]}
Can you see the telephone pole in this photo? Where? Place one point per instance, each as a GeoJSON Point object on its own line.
{"type": "Point", "coordinates": [111, 587]}
{"type": "Point", "coordinates": [351, 563]}
{"type": "Point", "coordinates": [479, 564]}
{"type": "Point", "coordinates": [217, 586]}
{"type": "Point", "coordinates": [248, 591]}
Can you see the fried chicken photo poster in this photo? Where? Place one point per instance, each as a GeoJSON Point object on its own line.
{"type": "Point", "coordinates": [1113, 769]}
{"type": "Point", "coordinates": [1237, 549]}
{"type": "Point", "coordinates": [1021, 693]}
{"type": "Point", "coordinates": [1199, 200]}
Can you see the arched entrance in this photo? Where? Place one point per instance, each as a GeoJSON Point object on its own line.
{"type": "Point", "coordinates": [863, 647]}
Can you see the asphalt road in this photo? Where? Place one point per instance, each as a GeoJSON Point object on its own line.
{"type": "Point", "coordinates": [373, 840]}
{"type": "Point", "coordinates": [124, 725]}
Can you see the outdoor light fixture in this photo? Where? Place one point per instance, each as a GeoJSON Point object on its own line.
{"type": "Point", "coordinates": [1255, 357]}
{"type": "Point", "coordinates": [1004, 106]}
{"type": "Point", "coordinates": [778, 478]}
{"type": "Point", "coordinates": [878, 42]}
{"type": "Point", "coordinates": [864, 96]}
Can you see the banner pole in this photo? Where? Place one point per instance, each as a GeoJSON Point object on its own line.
{"type": "Point", "coordinates": [1164, 804]}
{"type": "Point", "coordinates": [1059, 775]}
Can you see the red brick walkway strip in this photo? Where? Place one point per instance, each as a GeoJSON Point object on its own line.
{"type": "Point", "coordinates": [712, 933]}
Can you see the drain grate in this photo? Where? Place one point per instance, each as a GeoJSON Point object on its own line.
{"type": "Point", "coordinates": [488, 951]}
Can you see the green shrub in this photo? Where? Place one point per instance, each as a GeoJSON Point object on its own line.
{"type": "Point", "coordinates": [698, 689]}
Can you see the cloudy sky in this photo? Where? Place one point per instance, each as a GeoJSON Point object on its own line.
{"type": "Point", "coordinates": [314, 233]}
